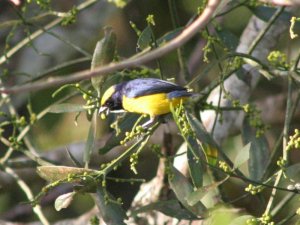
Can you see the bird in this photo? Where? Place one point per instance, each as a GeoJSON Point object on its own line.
{"type": "Point", "coordinates": [149, 96]}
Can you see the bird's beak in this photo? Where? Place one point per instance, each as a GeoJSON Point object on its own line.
{"type": "Point", "coordinates": [103, 109]}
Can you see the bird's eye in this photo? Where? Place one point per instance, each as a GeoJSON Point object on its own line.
{"type": "Point", "coordinates": [109, 103]}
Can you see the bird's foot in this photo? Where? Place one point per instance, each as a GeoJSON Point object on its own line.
{"type": "Point", "coordinates": [149, 123]}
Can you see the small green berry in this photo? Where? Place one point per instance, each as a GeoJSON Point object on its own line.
{"type": "Point", "coordinates": [103, 116]}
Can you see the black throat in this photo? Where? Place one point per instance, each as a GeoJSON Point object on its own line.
{"type": "Point", "coordinates": [115, 101]}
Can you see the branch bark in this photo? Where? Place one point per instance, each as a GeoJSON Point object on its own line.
{"type": "Point", "coordinates": [239, 89]}
{"type": "Point", "coordinates": [282, 2]}
{"type": "Point", "coordinates": [181, 39]}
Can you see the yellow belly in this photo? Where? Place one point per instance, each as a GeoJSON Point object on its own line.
{"type": "Point", "coordinates": [153, 105]}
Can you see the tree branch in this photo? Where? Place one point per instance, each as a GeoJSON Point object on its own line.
{"type": "Point", "coordinates": [39, 32]}
{"type": "Point", "coordinates": [181, 39]}
{"type": "Point", "coordinates": [282, 2]}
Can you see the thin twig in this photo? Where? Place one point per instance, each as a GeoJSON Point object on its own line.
{"type": "Point", "coordinates": [25, 130]}
{"type": "Point", "coordinates": [180, 51]}
{"type": "Point", "coordinates": [181, 39]}
{"type": "Point", "coordinates": [288, 116]}
{"type": "Point", "coordinates": [262, 33]}
{"type": "Point", "coordinates": [37, 209]}
{"type": "Point", "coordinates": [39, 32]}
{"type": "Point", "coordinates": [282, 203]}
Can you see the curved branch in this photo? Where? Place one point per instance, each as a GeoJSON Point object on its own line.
{"type": "Point", "coordinates": [181, 39]}
{"type": "Point", "coordinates": [39, 32]}
{"type": "Point", "coordinates": [282, 2]}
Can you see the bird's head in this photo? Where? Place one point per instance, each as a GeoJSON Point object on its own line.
{"type": "Point", "coordinates": [111, 100]}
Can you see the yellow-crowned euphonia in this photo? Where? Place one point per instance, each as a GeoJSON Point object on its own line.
{"type": "Point", "coordinates": [145, 96]}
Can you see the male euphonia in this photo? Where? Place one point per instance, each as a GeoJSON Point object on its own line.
{"type": "Point", "coordinates": [145, 96]}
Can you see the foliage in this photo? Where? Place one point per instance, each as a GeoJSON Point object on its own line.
{"type": "Point", "coordinates": [205, 191]}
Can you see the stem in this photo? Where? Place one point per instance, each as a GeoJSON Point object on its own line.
{"type": "Point", "coordinates": [60, 67]}
{"type": "Point", "coordinates": [154, 43]}
{"type": "Point", "coordinates": [288, 116]}
{"type": "Point", "coordinates": [25, 130]}
{"type": "Point", "coordinates": [231, 9]}
{"type": "Point", "coordinates": [221, 83]}
{"type": "Point", "coordinates": [180, 51]}
{"type": "Point", "coordinates": [178, 41]}
{"type": "Point", "coordinates": [282, 203]}
{"type": "Point", "coordinates": [285, 220]}
{"type": "Point", "coordinates": [128, 152]}
{"type": "Point", "coordinates": [265, 30]}
{"type": "Point", "coordinates": [39, 32]}
{"type": "Point", "coordinates": [36, 209]}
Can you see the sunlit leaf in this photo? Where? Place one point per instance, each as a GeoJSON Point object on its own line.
{"type": "Point", "coordinates": [111, 212]}
{"type": "Point", "coordinates": [182, 189]}
{"type": "Point", "coordinates": [63, 201]}
{"type": "Point", "coordinates": [54, 173]}
{"type": "Point", "coordinates": [66, 108]}
{"type": "Point", "coordinates": [222, 215]}
{"type": "Point", "coordinates": [241, 220]}
{"type": "Point", "coordinates": [259, 151]}
{"type": "Point", "coordinates": [242, 156]}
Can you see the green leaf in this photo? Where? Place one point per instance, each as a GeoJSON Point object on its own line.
{"type": "Point", "coordinates": [265, 13]}
{"type": "Point", "coordinates": [242, 156]}
{"type": "Point", "coordinates": [241, 73]}
{"type": "Point", "coordinates": [119, 3]}
{"type": "Point", "coordinates": [293, 172]}
{"type": "Point", "coordinates": [259, 152]}
{"type": "Point", "coordinates": [182, 189]}
{"type": "Point", "coordinates": [55, 173]}
{"type": "Point", "coordinates": [125, 125]}
{"type": "Point", "coordinates": [111, 212]}
{"type": "Point", "coordinates": [209, 146]}
{"type": "Point", "coordinates": [197, 195]}
{"type": "Point", "coordinates": [89, 145]}
{"type": "Point", "coordinates": [63, 201]}
{"type": "Point", "coordinates": [170, 208]}
{"type": "Point", "coordinates": [66, 108]}
{"type": "Point", "coordinates": [222, 215]}
{"type": "Point", "coordinates": [196, 168]}
{"type": "Point", "coordinates": [228, 38]}
{"type": "Point", "coordinates": [145, 39]}
{"type": "Point", "coordinates": [103, 54]}
{"type": "Point", "coordinates": [169, 35]}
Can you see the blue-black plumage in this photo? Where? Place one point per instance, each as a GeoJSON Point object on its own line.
{"type": "Point", "coordinates": [145, 96]}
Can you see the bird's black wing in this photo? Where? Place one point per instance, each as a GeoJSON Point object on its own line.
{"type": "Point", "coordinates": [147, 86]}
